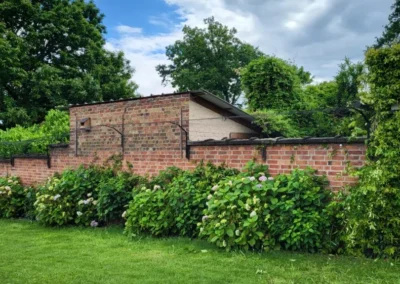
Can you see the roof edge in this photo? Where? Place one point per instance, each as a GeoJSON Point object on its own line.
{"type": "Point", "coordinates": [280, 141]}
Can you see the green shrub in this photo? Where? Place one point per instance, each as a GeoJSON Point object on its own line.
{"type": "Point", "coordinates": [70, 198]}
{"type": "Point", "coordinates": [114, 194]}
{"type": "Point", "coordinates": [263, 213]}
{"type": "Point", "coordinates": [86, 196]}
{"type": "Point", "coordinates": [174, 207]}
{"type": "Point", "coordinates": [15, 200]}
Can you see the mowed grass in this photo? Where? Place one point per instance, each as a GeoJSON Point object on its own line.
{"type": "Point", "coordinates": [30, 253]}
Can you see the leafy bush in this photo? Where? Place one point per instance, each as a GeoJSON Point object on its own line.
{"type": "Point", "coordinates": [174, 207]}
{"type": "Point", "coordinates": [15, 201]}
{"type": "Point", "coordinates": [36, 138]}
{"type": "Point", "coordinates": [373, 207]}
{"type": "Point", "coordinates": [261, 213]}
{"type": "Point", "coordinates": [71, 197]}
{"type": "Point", "coordinates": [85, 196]}
{"type": "Point", "coordinates": [114, 194]}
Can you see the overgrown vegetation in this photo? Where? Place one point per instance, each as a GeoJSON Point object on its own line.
{"type": "Point", "coordinates": [174, 207]}
{"type": "Point", "coordinates": [85, 196]}
{"type": "Point", "coordinates": [374, 221]}
{"type": "Point", "coordinates": [35, 139]}
{"type": "Point", "coordinates": [15, 200]}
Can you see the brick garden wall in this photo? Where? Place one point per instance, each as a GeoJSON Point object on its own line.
{"type": "Point", "coordinates": [332, 160]}
{"type": "Point", "coordinates": [152, 144]}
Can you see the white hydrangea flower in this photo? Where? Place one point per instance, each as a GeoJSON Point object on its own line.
{"type": "Point", "coordinates": [252, 178]}
{"type": "Point", "coordinates": [253, 213]}
{"type": "Point", "coordinates": [209, 196]}
{"type": "Point", "coordinates": [10, 181]}
{"type": "Point", "coordinates": [157, 187]}
{"type": "Point", "coordinates": [270, 178]}
{"type": "Point", "coordinates": [57, 196]}
{"type": "Point", "coordinates": [7, 188]}
{"type": "Point", "coordinates": [215, 187]}
{"type": "Point", "coordinates": [89, 194]}
{"type": "Point", "coordinates": [79, 213]}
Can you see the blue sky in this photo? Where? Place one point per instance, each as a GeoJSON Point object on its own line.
{"type": "Point", "coordinates": [137, 13]}
{"type": "Point", "coordinates": [316, 34]}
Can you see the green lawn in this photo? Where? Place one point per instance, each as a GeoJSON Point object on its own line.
{"type": "Point", "coordinates": [30, 253]}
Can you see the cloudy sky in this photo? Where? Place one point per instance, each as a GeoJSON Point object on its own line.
{"type": "Point", "coordinates": [316, 34]}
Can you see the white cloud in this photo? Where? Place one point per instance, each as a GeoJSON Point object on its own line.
{"type": "Point", "coordinates": [316, 34]}
{"type": "Point", "coordinates": [128, 30]}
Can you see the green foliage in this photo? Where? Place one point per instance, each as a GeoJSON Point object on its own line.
{"type": "Point", "coordinates": [270, 83]}
{"type": "Point", "coordinates": [208, 59]}
{"type": "Point", "coordinates": [52, 53]}
{"type": "Point", "coordinates": [273, 124]}
{"type": "Point", "coordinates": [262, 213]}
{"type": "Point", "coordinates": [15, 200]}
{"type": "Point", "coordinates": [84, 195]}
{"type": "Point", "coordinates": [114, 194]}
{"type": "Point", "coordinates": [391, 34]}
{"type": "Point", "coordinates": [374, 223]}
{"type": "Point", "coordinates": [70, 198]}
{"type": "Point", "coordinates": [36, 138]}
{"type": "Point", "coordinates": [175, 207]}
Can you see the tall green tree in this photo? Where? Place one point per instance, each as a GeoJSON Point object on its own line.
{"type": "Point", "coordinates": [349, 81]}
{"type": "Point", "coordinates": [391, 34]}
{"type": "Point", "coordinates": [208, 58]}
{"type": "Point", "coordinates": [52, 53]}
{"type": "Point", "coordinates": [271, 83]}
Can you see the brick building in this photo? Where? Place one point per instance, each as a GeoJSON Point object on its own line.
{"type": "Point", "coordinates": [153, 133]}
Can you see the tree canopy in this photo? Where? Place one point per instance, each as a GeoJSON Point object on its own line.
{"type": "Point", "coordinates": [391, 34]}
{"type": "Point", "coordinates": [271, 83]}
{"type": "Point", "coordinates": [52, 53]}
{"type": "Point", "coordinates": [208, 58]}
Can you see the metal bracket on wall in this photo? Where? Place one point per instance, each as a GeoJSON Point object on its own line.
{"type": "Point", "coordinates": [187, 147]}
{"type": "Point", "coordinates": [29, 156]}
{"type": "Point", "coordinates": [120, 133]}
{"type": "Point", "coordinates": [264, 153]}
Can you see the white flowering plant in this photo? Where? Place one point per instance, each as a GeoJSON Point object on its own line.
{"type": "Point", "coordinates": [175, 207]}
{"type": "Point", "coordinates": [234, 213]}
{"type": "Point", "coordinates": [263, 213]}
{"type": "Point", "coordinates": [59, 200]}
{"type": "Point", "coordinates": [15, 200]}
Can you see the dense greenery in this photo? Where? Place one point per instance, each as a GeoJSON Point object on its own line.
{"type": "Point", "coordinates": [176, 207]}
{"type": "Point", "coordinates": [36, 138]}
{"type": "Point", "coordinates": [208, 59]}
{"type": "Point", "coordinates": [15, 200]}
{"type": "Point", "coordinates": [270, 83]}
{"type": "Point", "coordinates": [264, 213]}
{"type": "Point", "coordinates": [52, 53]}
{"type": "Point", "coordinates": [285, 104]}
{"type": "Point", "coordinates": [374, 221]}
{"type": "Point", "coordinates": [85, 196]}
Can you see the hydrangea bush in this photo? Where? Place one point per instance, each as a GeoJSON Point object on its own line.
{"type": "Point", "coordinates": [174, 207]}
{"type": "Point", "coordinates": [259, 212]}
{"type": "Point", "coordinates": [15, 200]}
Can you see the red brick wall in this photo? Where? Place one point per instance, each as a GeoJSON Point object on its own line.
{"type": "Point", "coordinates": [152, 144]}
{"type": "Point", "coordinates": [332, 160]}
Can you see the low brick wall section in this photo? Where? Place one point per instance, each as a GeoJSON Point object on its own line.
{"type": "Point", "coordinates": [331, 159]}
